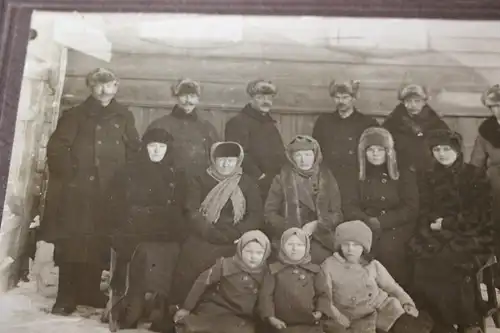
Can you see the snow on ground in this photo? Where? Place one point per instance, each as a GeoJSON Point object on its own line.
{"type": "Point", "coordinates": [22, 310]}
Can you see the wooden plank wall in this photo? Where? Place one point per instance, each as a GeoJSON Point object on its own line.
{"type": "Point", "coordinates": [455, 80]}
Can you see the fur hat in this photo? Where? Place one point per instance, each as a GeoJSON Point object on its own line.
{"type": "Point", "coordinates": [226, 149]}
{"type": "Point", "coordinates": [378, 136]}
{"type": "Point", "coordinates": [186, 86]}
{"type": "Point", "coordinates": [157, 135]}
{"type": "Point", "coordinates": [491, 96]}
{"type": "Point", "coordinates": [302, 142]}
{"type": "Point", "coordinates": [354, 231]}
{"type": "Point", "coordinates": [100, 75]}
{"type": "Point", "coordinates": [261, 87]}
{"type": "Point", "coordinates": [442, 137]}
{"type": "Point", "coordinates": [350, 87]}
{"type": "Point", "coordinates": [413, 90]}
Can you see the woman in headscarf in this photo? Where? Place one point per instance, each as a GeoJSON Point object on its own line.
{"type": "Point", "coordinates": [305, 195]}
{"type": "Point", "coordinates": [386, 199]}
{"type": "Point", "coordinates": [223, 298]}
{"type": "Point", "coordinates": [454, 237]}
{"type": "Point", "coordinates": [222, 204]}
{"type": "Point", "coordinates": [144, 211]}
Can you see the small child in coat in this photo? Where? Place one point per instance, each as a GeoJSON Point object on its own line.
{"type": "Point", "coordinates": [365, 296]}
{"type": "Point", "coordinates": [294, 296]}
{"type": "Point", "coordinates": [223, 298]}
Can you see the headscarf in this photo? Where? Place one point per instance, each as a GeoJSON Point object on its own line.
{"type": "Point", "coordinates": [304, 142]}
{"type": "Point", "coordinates": [228, 186]}
{"type": "Point", "coordinates": [251, 236]}
{"type": "Point", "coordinates": [302, 235]}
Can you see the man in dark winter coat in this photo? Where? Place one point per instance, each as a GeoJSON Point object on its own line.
{"type": "Point", "coordinates": [193, 136]}
{"type": "Point", "coordinates": [410, 123]}
{"type": "Point", "coordinates": [255, 130]}
{"type": "Point", "coordinates": [91, 141]}
{"type": "Point", "coordinates": [338, 134]}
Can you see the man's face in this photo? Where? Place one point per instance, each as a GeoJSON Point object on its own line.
{"type": "Point", "coordinates": [343, 101]}
{"type": "Point", "coordinates": [414, 104]}
{"type": "Point", "coordinates": [262, 102]}
{"type": "Point", "coordinates": [105, 92]}
{"type": "Point", "coordinates": [188, 102]}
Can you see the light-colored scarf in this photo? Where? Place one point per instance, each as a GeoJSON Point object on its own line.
{"type": "Point", "coordinates": [227, 189]}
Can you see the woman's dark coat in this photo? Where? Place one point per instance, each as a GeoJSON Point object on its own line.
{"type": "Point", "coordinates": [395, 203]}
{"type": "Point", "coordinates": [410, 133]}
{"type": "Point", "coordinates": [144, 214]}
{"type": "Point", "coordinates": [206, 242]}
{"type": "Point", "coordinates": [89, 145]}
{"type": "Point", "coordinates": [447, 260]}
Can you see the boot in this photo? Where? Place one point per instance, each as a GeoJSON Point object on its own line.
{"type": "Point", "coordinates": [66, 292]}
{"type": "Point", "coordinates": [410, 324]}
{"type": "Point", "coordinates": [89, 280]}
{"type": "Point", "coordinates": [163, 320]}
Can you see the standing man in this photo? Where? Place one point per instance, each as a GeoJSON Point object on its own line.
{"type": "Point", "coordinates": [410, 123]}
{"type": "Point", "coordinates": [193, 136]}
{"type": "Point", "coordinates": [255, 130]}
{"type": "Point", "coordinates": [338, 134]}
{"type": "Point", "coordinates": [91, 141]}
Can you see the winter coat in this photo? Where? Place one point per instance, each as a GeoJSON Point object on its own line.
{"type": "Point", "coordinates": [339, 140]}
{"type": "Point", "coordinates": [410, 133]}
{"type": "Point", "coordinates": [359, 290]}
{"type": "Point", "coordinates": [223, 299]}
{"type": "Point", "coordinates": [89, 145]}
{"type": "Point", "coordinates": [264, 149]}
{"type": "Point", "coordinates": [395, 204]}
{"type": "Point", "coordinates": [206, 242]}
{"type": "Point", "coordinates": [193, 138]}
{"type": "Point", "coordinates": [328, 214]}
{"type": "Point", "coordinates": [292, 293]}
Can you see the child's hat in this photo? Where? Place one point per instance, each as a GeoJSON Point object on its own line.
{"type": "Point", "coordinates": [354, 231]}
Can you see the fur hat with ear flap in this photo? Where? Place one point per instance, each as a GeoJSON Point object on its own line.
{"type": "Point", "coordinates": [185, 86]}
{"type": "Point", "coordinates": [413, 90]}
{"type": "Point", "coordinates": [350, 87]}
{"type": "Point", "coordinates": [354, 231]}
{"type": "Point", "coordinates": [377, 136]}
{"type": "Point", "coordinates": [491, 96]}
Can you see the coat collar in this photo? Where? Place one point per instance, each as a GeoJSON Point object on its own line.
{"type": "Point", "coordinates": [353, 116]}
{"type": "Point", "coordinates": [426, 120]}
{"type": "Point", "coordinates": [490, 131]}
{"type": "Point", "coordinates": [257, 115]}
{"type": "Point", "coordinates": [178, 113]}
{"type": "Point", "coordinates": [93, 107]}
{"type": "Point", "coordinates": [278, 266]}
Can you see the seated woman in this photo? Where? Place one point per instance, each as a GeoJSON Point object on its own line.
{"type": "Point", "coordinates": [144, 210]}
{"type": "Point", "coordinates": [386, 199]}
{"type": "Point", "coordinates": [222, 204]}
{"type": "Point", "coordinates": [305, 195]}
{"type": "Point", "coordinates": [454, 235]}
{"type": "Point", "coordinates": [224, 297]}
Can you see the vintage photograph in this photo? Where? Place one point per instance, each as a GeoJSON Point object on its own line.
{"type": "Point", "coordinates": [188, 173]}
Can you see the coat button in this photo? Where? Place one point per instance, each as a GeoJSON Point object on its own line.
{"type": "Point", "coordinates": [351, 152]}
{"type": "Point", "coordinates": [382, 198]}
{"type": "Point", "coordinates": [245, 278]}
{"type": "Point", "coordinates": [302, 276]}
{"type": "Point", "coordinates": [353, 299]}
{"type": "Point", "coordinates": [350, 138]}
{"type": "Point", "coordinates": [117, 142]}
{"type": "Point", "coordinates": [99, 142]}
{"type": "Point", "coordinates": [382, 212]}
{"type": "Point", "coordinates": [255, 291]}
{"type": "Point", "coordinates": [171, 185]}
{"type": "Point", "coordinates": [295, 271]}
{"type": "Point", "coordinates": [117, 126]}
{"type": "Point", "coordinates": [98, 127]}
{"type": "Point", "coordinates": [169, 202]}
{"type": "Point", "coordinates": [91, 177]}
{"type": "Point", "coordinates": [384, 181]}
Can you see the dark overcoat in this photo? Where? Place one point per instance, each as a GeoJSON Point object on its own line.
{"type": "Point", "coordinates": [395, 204]}
{"type": "Point", "coordinates": [193, 138]}
{"type": "Point", "coordinates": [207, 242]}
{"type": "Point", "coordinates": [410, 134]}
{"type": "Point", "coordinates": [89, 145]}
{"type": "Point", "coordinates": [338, 139]}
{"type": "Point", "coordinates": [264, 149]}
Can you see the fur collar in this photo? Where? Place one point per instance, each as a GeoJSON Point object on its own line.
{"type": "Point", "coordinates": [490, 131]}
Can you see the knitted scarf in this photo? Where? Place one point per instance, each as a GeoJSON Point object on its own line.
{"type": "Point", "coordinates": [227, 189]}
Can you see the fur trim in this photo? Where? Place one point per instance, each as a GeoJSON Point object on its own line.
{"type": "Point", "coordinates": [445, 137]}
{"type": "Point", "coordinates": [382, 137]}
{"type": "Point", "coordinates": [491, 96]}
{"type": "Point", "coordinates": [185, 85]}
{"type": "Point", "coordinates": [350, 87]}
{"type": "Point", "coordinates": [100, 75]}
{"type": "Point", "coordinates": [413, 90]}
{"type": "Point", "coordinates": [260, 86]}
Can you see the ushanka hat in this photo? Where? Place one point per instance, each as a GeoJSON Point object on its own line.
{"type": "Point", "coordinates": [491, 96]}
{"type": "Point", "coordinates": [442, 137]}
{"type": "Point", "coordinates": [377, 136]}
{"type": "Point", "coordinates": [349, 87]}
{"type": "Point", "coordinates": [354, 231]}
{"type": "Point", "coordinates": [100, 76]}
{"type": "Point", "coordinates": [413, 90]}
{"type": "Point", "coordinates": [261, 87]}
{"type": "Point", "coordinates": [157, 135]}
{"type": "Point", "coordinates": [226, 149]}
{"type": "Point", "coordinates": [185, 87]}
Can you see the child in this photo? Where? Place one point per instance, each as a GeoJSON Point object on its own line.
{"type": "Point", "coordinates": [365, 296]}
{"type": "Point", "coordinates": [294, 295]}
{"type": "Point", "coordinates": [223, 298]}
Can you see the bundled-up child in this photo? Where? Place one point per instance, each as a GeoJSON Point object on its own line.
{"type": "Point", "coordinates": [223, 298]}
{"type": "Point", "coordinates": [294, 296]}
{"type": "Point", "coordinates": [365, 296]}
